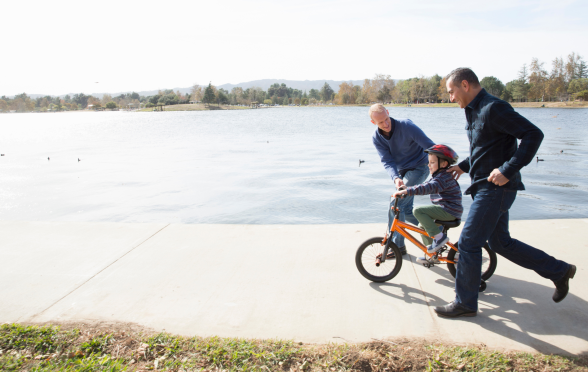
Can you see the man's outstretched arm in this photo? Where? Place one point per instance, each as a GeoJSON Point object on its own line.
{"type": "Point", "coordinates": [389, 163]}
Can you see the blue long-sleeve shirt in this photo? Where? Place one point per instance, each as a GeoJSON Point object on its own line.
{"type": "Point", "coordinates": [404, 150]}
{"type": "Point", "coordinates": [493, 127]}
{"type": "Point", "coordinates": [444, 191]}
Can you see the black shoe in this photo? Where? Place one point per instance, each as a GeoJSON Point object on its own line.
{"type": "Point", "coordinates": [402, 250]}
{"type": "Point", "coordinates": [453, 310]}
{"type": "Point", "coordinates": [562, 286]}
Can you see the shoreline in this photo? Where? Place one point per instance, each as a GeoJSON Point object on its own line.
{"type": "Point", "coordinates": [201, 107]}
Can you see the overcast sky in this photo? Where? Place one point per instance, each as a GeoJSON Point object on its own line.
{"type": "Point", "coordinates": [58, 47]}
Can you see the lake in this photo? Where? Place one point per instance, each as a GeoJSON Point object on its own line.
{"type": "Point", "coordinates": [268, 166]}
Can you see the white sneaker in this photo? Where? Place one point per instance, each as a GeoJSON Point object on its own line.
{"type": "Point", "coordinates": [422, 260]}
{"type": "Point", "coordinates": [438, 244]}
{"type": "Point", "coordinates": [427, 260]}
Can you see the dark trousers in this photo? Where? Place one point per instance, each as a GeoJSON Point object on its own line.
{"type": "Point", "coordinates": [488, 221]}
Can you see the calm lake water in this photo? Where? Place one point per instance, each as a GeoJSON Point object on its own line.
{"type": "Point", "coordinates": [268, 166]}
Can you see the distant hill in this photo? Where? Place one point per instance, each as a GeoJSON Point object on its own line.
{"type": "Point", "coordinates": [304, 85]}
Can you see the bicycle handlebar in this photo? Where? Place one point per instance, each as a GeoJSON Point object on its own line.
{"type": "Point", "coordinates": [395, 201]}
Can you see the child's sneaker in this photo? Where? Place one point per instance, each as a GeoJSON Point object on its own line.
{"type": "Point", "coordinates": [422, 260]}
{"type": "Point", "coordinates": [426, 260]}
{"type": "Point", "coordinates": [438, 244]}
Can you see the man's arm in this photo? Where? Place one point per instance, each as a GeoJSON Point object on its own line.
{"type": "Point", "coordinates": [420, 137]}
{"type": "Point", "coordinates": [387, 161]}
{"type": "Point", "coordinates": [506, 120]}
{"type": "Point", "coordinates": [464, 165]}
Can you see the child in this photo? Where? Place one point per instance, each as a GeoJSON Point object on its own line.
{"type": "Point", "coordinates": [445, 195]}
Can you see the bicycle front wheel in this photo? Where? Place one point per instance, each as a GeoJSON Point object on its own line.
{"type": "Point", "coordinates": [366, 260]}
{"type": "Point", "coordinates": [489, 261]}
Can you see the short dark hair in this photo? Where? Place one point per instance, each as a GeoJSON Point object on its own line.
{"type": "Point", "coordinates": [463, 73]}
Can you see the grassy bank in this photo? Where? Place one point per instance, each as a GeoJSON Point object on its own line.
{"type": "Point", "coordinates": [126, 347]}
{"type": "Point", "coordinates": [202, 107]}
{"type": "Point", "coordinates": [575, 104]}
{"type": "Point", "coordinates": [514, 104]}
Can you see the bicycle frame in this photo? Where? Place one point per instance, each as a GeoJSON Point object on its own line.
{"type": "Point", "coordinates": [401, 227]}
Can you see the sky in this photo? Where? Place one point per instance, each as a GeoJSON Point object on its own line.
{"type": "Point", "coordinates": [58, 47]}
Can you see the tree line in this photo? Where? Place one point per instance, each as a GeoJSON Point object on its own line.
{"type": "Point", "coordinates": [23, 103]}
{"type": "Point", "coordinates": [277, 94]}
{"type": "Point", "coordinates": [567, 80]}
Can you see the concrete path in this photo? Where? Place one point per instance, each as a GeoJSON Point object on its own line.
{"type": "Point", "coordinates": [273, 281]}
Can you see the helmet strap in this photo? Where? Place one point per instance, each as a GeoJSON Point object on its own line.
{"type": "Point", "coordinates": [439, 162]}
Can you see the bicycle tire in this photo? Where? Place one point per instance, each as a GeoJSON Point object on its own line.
{"type": "Point", "coordinates": [365, 260]}
{"type": "Point", "coordinates": [491, 266]}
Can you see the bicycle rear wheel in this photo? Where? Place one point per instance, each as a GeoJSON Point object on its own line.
{"type": "Point", "coordinates": [489, 261]}
{"type": "Point", "coordinates": [366, 260]}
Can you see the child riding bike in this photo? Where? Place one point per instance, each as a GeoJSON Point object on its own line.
{"type": "Point", "coordinates": [445, 196]}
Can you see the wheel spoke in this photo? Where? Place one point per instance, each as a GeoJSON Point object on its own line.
{"type": "Point", "coordinates": [367, 256]}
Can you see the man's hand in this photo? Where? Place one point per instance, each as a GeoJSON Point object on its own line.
{"type": "Point", "coordinates": [399, 193]}
{"type": "Point", "coordinates": [497, 178]}
{"type": "Point", "coordinates": [455, 172]}
{"type": "Point", "coordinates": [399, 183]}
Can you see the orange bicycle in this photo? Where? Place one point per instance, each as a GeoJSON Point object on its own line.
{"type": "Point", "coordinates": [379, 259]}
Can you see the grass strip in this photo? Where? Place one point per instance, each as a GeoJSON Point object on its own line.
{"type": "Point", "coordinates": [113, 348]}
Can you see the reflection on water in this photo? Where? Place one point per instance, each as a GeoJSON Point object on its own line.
{"type": "Point", "coordinates": [286, 165]}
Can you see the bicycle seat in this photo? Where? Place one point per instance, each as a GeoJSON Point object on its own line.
{"type": "Point", "coordinates": [448, 224]}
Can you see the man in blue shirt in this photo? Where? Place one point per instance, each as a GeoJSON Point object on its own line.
{"type": "Point", "coordinates": [401, 146]}
{"type": "Point", "coordinates": [494, 165]}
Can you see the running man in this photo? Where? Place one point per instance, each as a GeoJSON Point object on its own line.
{"type": "Point", "coordinates": [494, 165]}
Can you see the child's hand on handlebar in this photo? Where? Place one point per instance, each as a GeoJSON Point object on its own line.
{"type": "Point", "coordinates": [400, 193]}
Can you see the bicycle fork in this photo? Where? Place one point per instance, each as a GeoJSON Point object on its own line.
{"type": "Point", "coordinates": [386, 243]}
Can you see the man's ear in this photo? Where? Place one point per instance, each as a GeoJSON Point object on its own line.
{"type": "Point", "coordinates": [387, 113]}
{"type": "Point", "coordinates": [465, 85]}
{"type": "Point", "coordinates": [373, 122]}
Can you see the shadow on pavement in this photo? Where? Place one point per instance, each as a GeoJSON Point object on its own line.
{"type": "Point", "coordinates": [516, 309]}
{"type": "Point", "coordinates": [519, 309]}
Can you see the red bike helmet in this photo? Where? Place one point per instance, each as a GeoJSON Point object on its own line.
{"type": "Point", "coordinates": [443, 152]}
